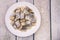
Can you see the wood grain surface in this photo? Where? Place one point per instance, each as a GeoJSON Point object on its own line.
{"type": "Point", "coordinates": [55, 14]}
{"type": "Point", "coordinates": [4, 33]}
{"type": "Point", "coordinates": [44, 32]}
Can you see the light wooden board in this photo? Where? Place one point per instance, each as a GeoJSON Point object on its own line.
{"type": "Point", "coordinates": [55, 13]}
{"type": "Point", "coordinates": [44, 31]}
{"type": "Point", "coordinates": [4, 33]}
{"type": "Point", "coordinates": [30, 37]}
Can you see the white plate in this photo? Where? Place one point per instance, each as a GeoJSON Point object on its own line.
{"type": "Point", "coordinates": [17, 32]}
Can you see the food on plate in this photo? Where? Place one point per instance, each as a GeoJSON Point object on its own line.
{"type": "Point", "coordinates": [23, 18]}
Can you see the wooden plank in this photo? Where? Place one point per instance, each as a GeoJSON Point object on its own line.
{"type": "Point", "coordinates": [25, 38]}
{"type": "Point", "coordinates": [44, 31]}
{"type": "Point", "coordinates": [4, 33]}
{"type": "Point", "coordinates": [30, 37]}
{"type": "Point", "coordinates": [55, 13]}
{"type": "Point", "coordinates": [30, 1]}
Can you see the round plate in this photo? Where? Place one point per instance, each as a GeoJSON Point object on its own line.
{"type": "Point", "coordinates": [28, 32]}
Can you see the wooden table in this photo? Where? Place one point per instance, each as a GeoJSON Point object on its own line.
{"type": "Point", "coordinates": [55, 19]}
{"type": "Point", "coordinates": [49, 10]}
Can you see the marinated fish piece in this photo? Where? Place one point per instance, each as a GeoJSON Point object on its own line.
{"type": "Point", "coordinates": [28, 22]}
{"type": "Point", "coordinates": [21, 15]}
{"type": "Point", "coordinates": [12, 23]}
{"type": "Point", "coordinates": [17, 16]}
{"type": "Point", "coordinates": [33, 23]}
{"type": "Point", "coordinates": [22, 9]}
{"type": "Point", "coordinates": [27, 26]}
{"type": "Point", "coordinates": [17, 23]}
{"type": "Point", "coordinates": [20, 27]}
{"type": "Point", "coordinates": [23, 23]}
{"type": "Point", "coordinates": [28, 18]}
{"type": "Point", "coordinates": [31, 15]}
{"type": "Point", "coordinates": [17, 10]}
{"type": "Point", "coordinates": [12, 18]}
{"type": "Point", "coordinates": [25, 12]}
{"type": "Point", "coordinates": [23, 28]}
{"type": "Point", "coordinates": [33, 20]}
{"type": "Point", "coordinates": [28, 9]}
{"type": "Point", "coordinates": [23, 18]}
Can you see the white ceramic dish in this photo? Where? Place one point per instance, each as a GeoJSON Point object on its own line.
{"type": "Point", "coordinates": [28, 32]}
